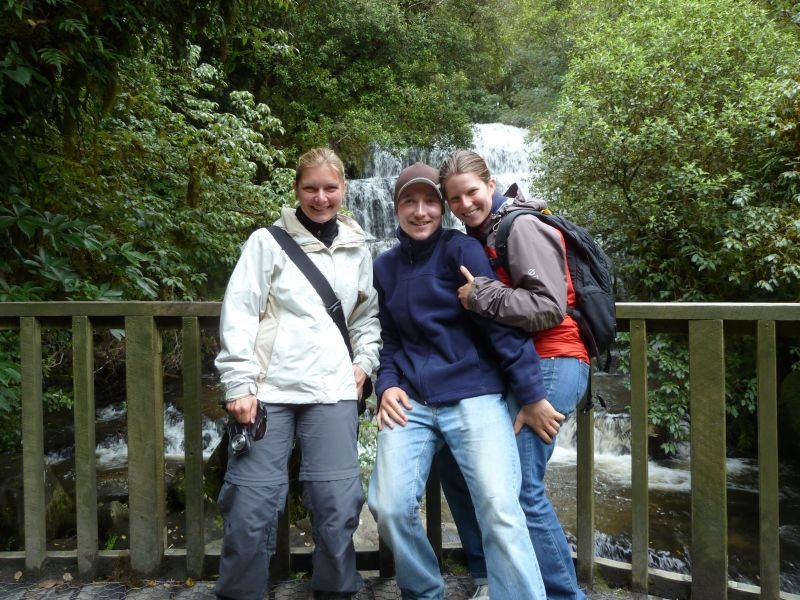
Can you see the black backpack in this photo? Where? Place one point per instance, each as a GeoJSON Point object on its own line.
{"type": "Point", "coordinates": [592, 278]}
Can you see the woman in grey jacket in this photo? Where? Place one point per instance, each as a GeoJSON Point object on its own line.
{"type": "Point", "coordinates": [279, 346]}
{"type": "Point", "coordinates": [534, 294]}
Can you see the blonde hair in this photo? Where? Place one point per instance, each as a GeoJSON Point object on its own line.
{"type": "Point", "coordinates": [317, 157]}
{"type": "Point", "coordinates": [461, 162]}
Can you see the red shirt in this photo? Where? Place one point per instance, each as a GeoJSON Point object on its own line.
{"type": "Point", "coordinates": [564, 339]}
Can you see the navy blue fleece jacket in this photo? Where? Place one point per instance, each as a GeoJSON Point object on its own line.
{"type": "Point", "coordinates": [433, 348]}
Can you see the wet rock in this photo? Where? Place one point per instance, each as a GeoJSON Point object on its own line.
{"type": "Point", "coordinates": [113, 519]}
{"type": "Point", "coordinates": [59, 505]}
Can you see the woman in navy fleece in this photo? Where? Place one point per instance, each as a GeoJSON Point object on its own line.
{"type": "Point", "coordinates": [447, 368]}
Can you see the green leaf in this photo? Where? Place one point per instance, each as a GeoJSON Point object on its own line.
{"type": "Point", "coordinates": [53, 57]}
{"type": "Point", "coordinates": [74, 26]}
{"type": "Point", "coordinates": [28, 225]}
{"type": "Point", "coordinates": [22, 75]}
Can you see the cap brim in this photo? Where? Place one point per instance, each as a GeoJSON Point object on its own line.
{"type": "Point", "coordinates": [430, 182]}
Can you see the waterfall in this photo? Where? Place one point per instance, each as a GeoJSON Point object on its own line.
{"type": "Point", "coordinates": [507, 152]}
{"type": "Point", "coordinates": [504, 147]}
{"type": "Point", "coordinates": [612, 449]}
{"type": "Point", "coordinates": [669, 485]}
{"type": "Point", "coordinates": [112, 448]}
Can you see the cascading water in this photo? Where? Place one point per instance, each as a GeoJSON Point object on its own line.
{"type": "Point", "coordinates": [111, 451]}
{"type": "Point", "coordinates": [504, 148]}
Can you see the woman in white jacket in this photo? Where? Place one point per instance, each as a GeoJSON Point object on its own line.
{"type": "Point", "coordinates": [279, 346]}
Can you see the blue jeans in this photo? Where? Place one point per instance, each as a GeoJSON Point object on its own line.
{"type": "Point", "coordinates": [479, 433]}
{"type": "Point", "coordinates": [565, 381]}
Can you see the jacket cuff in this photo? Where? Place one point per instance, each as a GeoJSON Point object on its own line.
{"type": "Point", "coordinates": [478, 285]}
{"type": "Point", "coordinates": [363, 366]}
{"type": "Point", "coordinates": [240, 390]}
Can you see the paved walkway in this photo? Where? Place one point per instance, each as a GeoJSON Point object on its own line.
{"type": "Point", "coordinates": [376, 588]}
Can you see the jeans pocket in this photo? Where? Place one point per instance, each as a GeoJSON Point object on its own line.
{"type": "Point", "coordinates": [566, 379]}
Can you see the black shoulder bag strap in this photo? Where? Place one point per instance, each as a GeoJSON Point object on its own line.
{"type": "Point", "coordinates": [329, 298]}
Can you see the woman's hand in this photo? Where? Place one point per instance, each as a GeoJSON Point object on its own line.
{"type": "Point", "coordinates": [243, 409]}
{"type": "Point", "coordinates": [465, 290]}
{"type": "Point", "coordinates": [360, 375]}
{"type": "Point", "coordinates": [390, 410]}
{"type": "Point", "coordinates": [542, 418]}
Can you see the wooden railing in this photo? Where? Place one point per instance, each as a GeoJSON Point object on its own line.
{"type": "Point", "coordinates": [705, 325]}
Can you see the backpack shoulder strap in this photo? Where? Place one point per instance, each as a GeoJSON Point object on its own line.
{"type": "Point", "coordinates": [504, 229]}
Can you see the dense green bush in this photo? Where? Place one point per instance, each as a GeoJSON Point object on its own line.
{"type": "Point", "coordinates": [676, 138]}
{"type": "Point", "coordinates": [669, 137]}
{"type": "Point", "coordinates": [141, 142]}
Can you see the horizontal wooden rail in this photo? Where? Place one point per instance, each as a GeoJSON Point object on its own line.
{"type": "Point", "coordinates": [706, 327]}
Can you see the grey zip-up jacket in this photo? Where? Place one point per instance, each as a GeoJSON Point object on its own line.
{"type": "Point", "coordinates": [537, 269]}
{"type": "Point", "coordinates": [278, 341]}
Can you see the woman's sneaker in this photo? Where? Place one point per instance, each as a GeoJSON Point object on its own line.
{"type": "Point", "coordinates": [481, 592]}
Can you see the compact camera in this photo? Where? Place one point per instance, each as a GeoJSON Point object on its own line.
{"type": "Point", "coordinates": [242, 435]}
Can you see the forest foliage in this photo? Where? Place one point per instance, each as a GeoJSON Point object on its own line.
{"type": "Point", "coordinates": [675, 135]}
{"type": "Point", "coordinates": [140, 142]}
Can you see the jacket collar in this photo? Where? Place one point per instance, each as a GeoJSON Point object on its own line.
{"type": "Point", "coordinates": [350, 233]}
{"type": "Point", "coordinates": [482, 231]}
{"type": "Point", "coordinates": [512, 199]}
{"type": "Point", "coordinates": [324, 232]}
{"type": "Point", "coordinates": [418, 250]}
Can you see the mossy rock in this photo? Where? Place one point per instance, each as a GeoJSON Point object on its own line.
{"type": "Point", "coordinates": [59, 505]}
{"type": "Point", "coordinates": [60, 509]}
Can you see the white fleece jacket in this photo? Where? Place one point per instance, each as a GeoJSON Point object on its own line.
{"type": "Point", "coordinates": [277, 340]}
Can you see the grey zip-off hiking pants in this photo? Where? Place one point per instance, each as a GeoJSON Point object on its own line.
{"type": "Point", "coordinates": [254, 495]}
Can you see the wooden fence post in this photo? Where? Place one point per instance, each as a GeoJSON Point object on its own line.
{"type": "Point", "coordinates": [640, 512]}
{"type": "Point", "coordinates": [85, 464]}
{"type": "Point", "coordinates": [145, 397]}
{"type": "Point", "coordinates": [768, 491]}
{"type": "Point", "coordinates": [709, 487]}
{"type": "Point", "coordinates": [30, 337]}
{"type": "Point", "coordinates": [585, 493]}
{"type": "Point", "coordinates": [193, 448]}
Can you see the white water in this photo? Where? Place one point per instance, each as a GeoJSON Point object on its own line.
{"type": "Point", "coordinates": [111, 451]}
{"type": "Point", "coordinates": [612, 454]}
{"type": "Point", "coordinates": [504, 148]}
